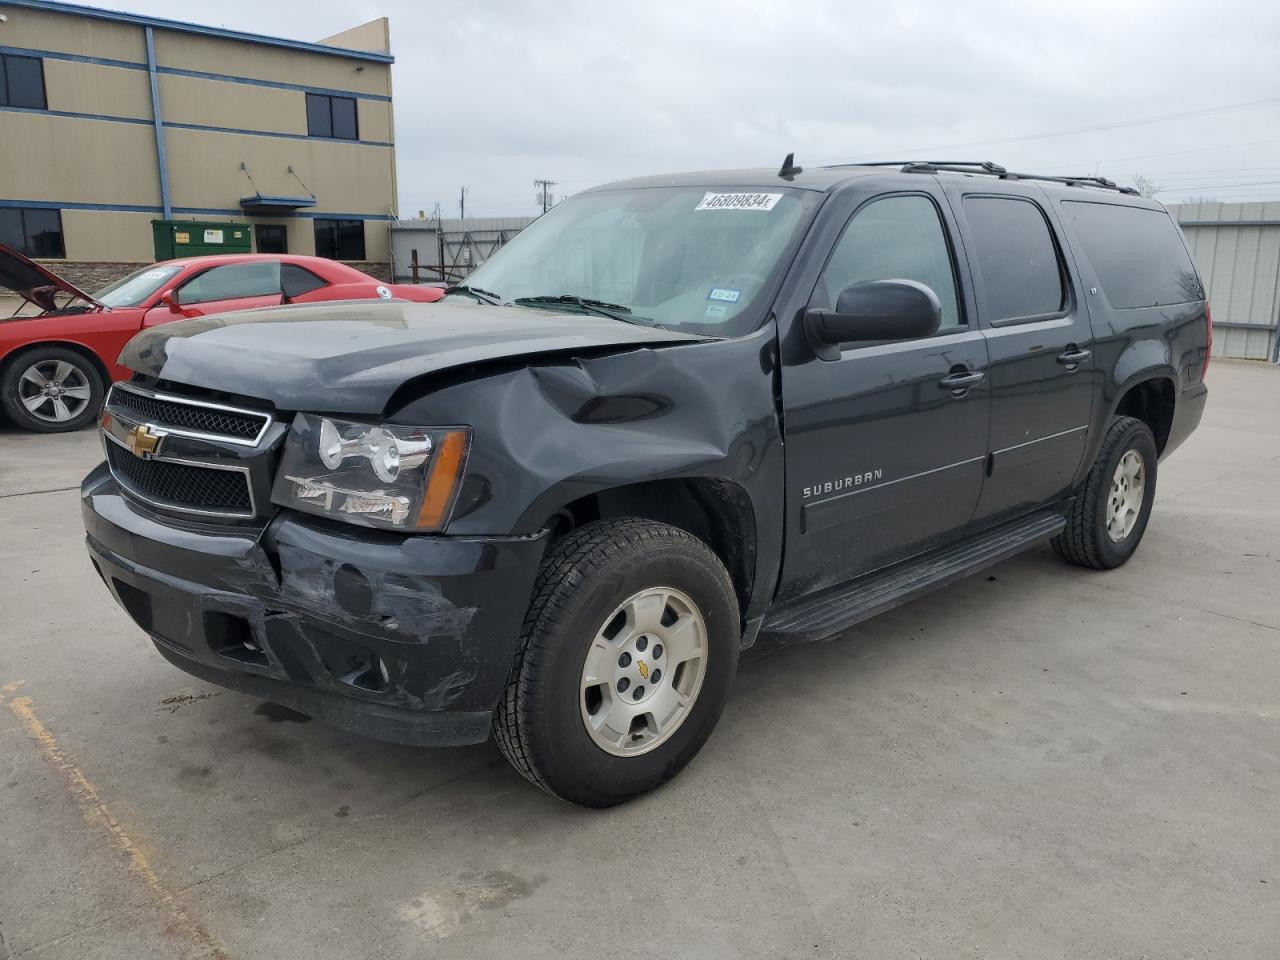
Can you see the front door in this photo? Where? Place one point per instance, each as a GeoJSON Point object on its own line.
{"type": "Point", "coordinates": [231, 286]}
{"type": "Point", "coordinates": [886, 443]}
{"type": "Point", "coordinates": [1040, 344]}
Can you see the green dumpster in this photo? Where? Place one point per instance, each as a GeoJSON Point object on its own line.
{"type": "Point", "coordinates": [199, 238]}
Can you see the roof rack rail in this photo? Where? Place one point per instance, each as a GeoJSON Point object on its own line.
{"type": "Point", "coordinates": [991, 169]}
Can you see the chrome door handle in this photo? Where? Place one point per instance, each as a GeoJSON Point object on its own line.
{"type": "Point", "coordinates": [961, 381]}
{"type": "Point", "coordinates": [1073, 357]}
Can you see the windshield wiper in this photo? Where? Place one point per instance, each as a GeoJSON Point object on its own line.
{"type": "Point", "coordinates": [614, 311]}
{"type": "Point", "coordinates": [484, 296]}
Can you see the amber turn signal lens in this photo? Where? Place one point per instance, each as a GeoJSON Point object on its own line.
{"type": "Point", "coordinates": [442, 485]}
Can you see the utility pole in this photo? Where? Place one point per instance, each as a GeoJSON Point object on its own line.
{"type": "Point", "coordinates": [462, 203]}
{"type": "Point", "coordinates": [544, 195]}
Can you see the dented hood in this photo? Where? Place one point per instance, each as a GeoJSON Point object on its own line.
{"type": "Point", "coordinates": [352, 357]}
{"type": "Point", "coordinates": [34, 283]}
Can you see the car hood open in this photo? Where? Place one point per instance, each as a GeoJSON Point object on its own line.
{"type": "Point", "coordinates": [34, 283]}
{"type": "Point", "coordinates": [352, 357]}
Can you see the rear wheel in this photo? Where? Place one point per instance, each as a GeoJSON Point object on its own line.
{"type": "Point", "coordinates": [627, 655]}
{"type": "Point", "coordinates": [51, 390]}
{"type": "Point", "coordinates": [1110, 513]}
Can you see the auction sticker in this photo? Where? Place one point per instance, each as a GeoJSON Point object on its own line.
{"type": "Point", "coordinates": [724, 294]}
{"type": "Point", "coordinates": [738, 201]}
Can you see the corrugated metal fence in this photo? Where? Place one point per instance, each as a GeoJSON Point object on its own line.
{"type": "Point", "coordinates": [449, 249]}
{"type": "Point", "coordinates": [1237, 248]}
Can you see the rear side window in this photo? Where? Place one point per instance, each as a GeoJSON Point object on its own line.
{"type": "Point", "coordinates": [1017, 258]}
{"type": "Point", "coordinates": [296, 280]}
{"type": "Point", "coordinates": [1137, 254]}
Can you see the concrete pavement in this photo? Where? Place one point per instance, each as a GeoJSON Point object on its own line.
{"type": "Point", "coordinates": [1041, 762]}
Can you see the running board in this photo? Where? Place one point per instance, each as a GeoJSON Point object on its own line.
{"type": "Point", "coordinates": [828, 614]}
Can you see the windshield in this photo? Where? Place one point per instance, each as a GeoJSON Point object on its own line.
{"type": "Point", "coordinates": [136, 287]}
{"type": "Point", "coordinates": [700, 259]}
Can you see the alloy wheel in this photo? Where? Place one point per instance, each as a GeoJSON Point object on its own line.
{"type": "Point", "coordinates": [54, 391]}
{"type": "Point", "coordinates": [643, 671]}
{"type": "Point", "coordinates": [1124, 503]}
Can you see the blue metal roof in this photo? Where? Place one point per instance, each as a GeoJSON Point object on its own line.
{"type": "Point", "coordinates": [179, 26]}
{"type": "Point", "coordinates": [260, 204]}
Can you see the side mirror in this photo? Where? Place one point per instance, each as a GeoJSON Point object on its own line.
{"type": "Point", "coordinates": [874, 310]}
{"type": "Point", "coordinates": [170, 299]}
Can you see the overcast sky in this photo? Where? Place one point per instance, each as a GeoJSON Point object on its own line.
{"type": "Point", "coordinates": [492, 94]}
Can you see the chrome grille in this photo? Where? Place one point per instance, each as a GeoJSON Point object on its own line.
{"type": "Point", "coordinates": [183, 485]}
{"type": "Point", "coordinates": [186, 455]}
{"type": "Point", "coordinates": [182, 415]}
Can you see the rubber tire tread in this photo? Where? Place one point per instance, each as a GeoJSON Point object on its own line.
{"type": "Point", "coordinates": [1079, 543]}
{"type": "Point", "coordinates": [583, 552]}
{"type": "Point", "coordinates": [14, 367]}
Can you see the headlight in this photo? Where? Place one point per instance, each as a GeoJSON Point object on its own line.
{"type": "Point", "coordinates": [377, 475]}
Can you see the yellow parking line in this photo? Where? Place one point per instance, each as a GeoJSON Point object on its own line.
{"type": "Point", "coordinates": [95, 812]}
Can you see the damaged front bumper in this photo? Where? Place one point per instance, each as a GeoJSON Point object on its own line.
{"type": "Point", "coordinates": [406, 639]}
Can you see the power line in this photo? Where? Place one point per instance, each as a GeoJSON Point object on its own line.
{"type": "Point", "coordinates": [1095, 128]}
{"type": "Point", "coordinates": [1177, 153]}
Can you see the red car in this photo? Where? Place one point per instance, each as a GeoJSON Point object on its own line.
{"type": "Point", "coordinates": [59, 351]}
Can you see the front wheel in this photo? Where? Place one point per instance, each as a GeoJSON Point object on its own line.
{"type": "Point", "coordinates": [626, 658]}
{"type": "Point", "coordinates": [51, 390]}
{"type": "Point", "coordinates": [1110, 512]}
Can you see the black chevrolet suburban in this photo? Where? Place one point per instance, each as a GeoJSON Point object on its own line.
{"type": "Point", "coordinates": [674, 418]}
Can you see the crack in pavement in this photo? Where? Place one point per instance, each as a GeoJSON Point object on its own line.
{"type": "Point", "coordinates": [96, 812]}
{"type": "Point", "coordinates": [32, 493]}
{"type": "Point", "coordinates": [233, 868]}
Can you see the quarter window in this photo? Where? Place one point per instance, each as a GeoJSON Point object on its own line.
{"type": "Point", "coordinates": [1137, 253]}
{"type": "Point", "coordinates": [896, 238]}
{"type": "Point", "coordinates": [33, 231]}
{"type": "Point", "coordinates": [1017, 258]}
{"type": "Point", "coordinates": [332, 117]}
{"type": "Point", "coordinates": [22, 82]}
{"type": "Point", "coordinates": [233, 281]}
{"type": "Point", "coordinates": [296, 280]}
{"type": "Point", "coordinates": [340, 239]}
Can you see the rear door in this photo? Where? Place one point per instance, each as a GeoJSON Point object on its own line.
{"type": "Point", "coordinates": [885, 452]}
{"type": "Point", "coordinates": [1036, 324]}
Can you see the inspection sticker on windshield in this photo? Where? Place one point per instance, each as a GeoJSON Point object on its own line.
{"type": "Point", "coordinates": [724, 294]}
{"type": "Point", "coordinates": [738, 201]}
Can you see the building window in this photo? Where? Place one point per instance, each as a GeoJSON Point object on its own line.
{"type": "Point", "coordinates": [33, 231]}
{"type": "Point", "coordinates": [340, 239]}
{"type": "Point", "coordinates": [22, 82]}
{"type": "Point", "coordinates": [331, 117]}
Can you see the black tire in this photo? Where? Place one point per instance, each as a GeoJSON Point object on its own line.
{"type": "Point", "coordinates": [1086, 542]}
{"type": "Point", "coordinates": [11, 385]}
{"type": "Point", "coordinates": [539, 724]}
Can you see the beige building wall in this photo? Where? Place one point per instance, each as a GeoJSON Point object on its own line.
{"type": "Point", "coordinates": [239, 132]}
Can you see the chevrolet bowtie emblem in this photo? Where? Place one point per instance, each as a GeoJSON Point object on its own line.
{"type": "Point", "coordinates": [142, 441]}
{"type": "Point", "coordinates": [644, 669]}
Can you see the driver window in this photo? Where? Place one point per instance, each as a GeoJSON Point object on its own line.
{"type": "Point", "coordinates": [233, 281]}
{"type": "Point", "coordinates": [897, 238]}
